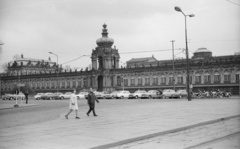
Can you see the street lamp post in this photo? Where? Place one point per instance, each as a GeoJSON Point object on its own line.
{"type": "Point", "coordinates": [185, 17]}
{"type": "Point", "coordinates": [57, 67]}
{"type": "Point", "coordinates": [173, 65]}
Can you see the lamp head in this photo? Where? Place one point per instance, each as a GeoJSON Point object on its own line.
{"type": "Point", "coordinates": [191, 15]}
{"type": "Point", "coordinates": [178, 9]}
{"type": "Point", "coordinates": [50, 52]}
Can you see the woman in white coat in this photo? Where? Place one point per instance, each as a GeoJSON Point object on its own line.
{"type": "Point", "coordinates": [73, 105]}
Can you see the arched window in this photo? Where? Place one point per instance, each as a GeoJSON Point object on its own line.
{"type": "Point", "coordinates": [179, 78]}
{"type": "Point", "coordinates": [207, 77]}
{"type": "Point", "coordinates": [139, 80]}
{"type": "Point", "coordinates": [155, 80]}
{"type": "Point", "coordinates": [227, 77]}
{"type": "Point", "coordinates": [197, 78]}
{"type": "Point", "coordinates": [237, 76]}
{"type": "Point", "coordinates": [163, 79]}
{"type": "Point", "coordinates": [85, 82]}
{"type": "Point", "coordinates": [171, 78]}
{"type": "Point", "coordinates": [119, 79]}
{"type": "Point", "coordinates": [216, 77]}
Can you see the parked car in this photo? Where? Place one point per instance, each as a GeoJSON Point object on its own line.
{"type": "Point", "coordinates": [169, 93]}
{"type": "Point", "coordinates": [137, 94]}
{"type": "Point", "coordinates": [182, 93]}
{"type": "Point", "coordinates": [6, 97]}
{"type": "Point", "coordinates": [100, 95]}
{"type": "Point", "coordinates": [150, 94]}
{"type": "Point", "coordinates": [65, 96]}
{"type": "Point", "coordinates": [55, 96]}
{"type": "Point", "coordinates": [81, 95]}
{"type": "Point", "coordinates": [14, 96]}
{"type": "Point", "coordinates": [122, 94]}
{"type": "Point", "coordinates": [111, 95]}
{"type": "Point", "coordinates": [158, 95]}
{"type": "Point", "coordinates": [38, 96]}
{"type": "Point", "coordinates": [46, 96]}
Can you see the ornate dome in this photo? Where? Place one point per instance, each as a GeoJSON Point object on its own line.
{"type": "Point", "coordinates": [105, 41]}
{"type": "Point", "coordinates": [202, 50]}
{"type": "Point", "coordinates": [202, 53]}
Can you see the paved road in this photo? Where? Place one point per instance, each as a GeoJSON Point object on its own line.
{"type": "Point", "coordinates": [118, 120]}
{"type": "Point", "coordinates": [219, 135]}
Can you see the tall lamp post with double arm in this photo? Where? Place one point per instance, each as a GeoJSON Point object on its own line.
{"type": "Point", "coordinates": [57, 67]}
{"type": "Point", "coordinates": [186, 40]}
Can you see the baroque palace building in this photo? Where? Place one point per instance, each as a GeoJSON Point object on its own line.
{"type": "Point", "coordinates": [207, 72]}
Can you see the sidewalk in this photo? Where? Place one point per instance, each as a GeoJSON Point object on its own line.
{"type": "Point", "coordinates": [117, 122]}
{"type": "Point", "coordinates": [11, 105]}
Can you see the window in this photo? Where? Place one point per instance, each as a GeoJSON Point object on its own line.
{"type": "Point", "coordinates": [139, 81]}
{"type": "Point", "coordinates": [63, 84]}
{"type": "Point", "coordinates": [74, 83]}
{"type": "Point", "coordinates": [155, 80]}
{"type": "Point", "coordinates": [68, 83]}
{"type": "Point", "coordinates": [163, 79]}
{"type": "Point", "coordinates": [171, 79]}
{"type": "Point", "coordinates": [197, 79]}
{"type": "Point", "coordinates": [216, 78]}
{"type": "Point", "coordinates": [53, 84]}
{"type": "Point", "coordinates": [227, 77]}
{"type": "Point", "coordinates": [237, 77]}
{"type": "Point", "coordinates": [119, 80]}
{"type": "Point", "coordinates": [79, 83]}
{"type": "Point", "coordinates": [84, 82]}
{"type": "Point", "coordinates": [207, 78]}
{"type": "Point", "coordinates": [147, 81]}
{"type": "Point", "coordinates": [132, 81]}
{"type": "Point", "coordinates": [125, 82]}
{"type": "Point", "coordinates": [180, 79]}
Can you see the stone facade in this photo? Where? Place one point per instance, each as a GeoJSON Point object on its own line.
{"type": "Point", "coordinates": [206, 73]}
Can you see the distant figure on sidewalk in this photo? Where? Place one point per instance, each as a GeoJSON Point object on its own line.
{"type": "Point", "coordinates": [73, 105]}
{"type": "Point", "coordinates": [91, 102]}
{"type": "Point", "coordinates": [16, 92]}
{"type": "Point", "coordinates": [26, 96]}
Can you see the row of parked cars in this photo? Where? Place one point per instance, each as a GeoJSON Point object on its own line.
{"type": "Point", "coordinates": [58, 95]}
{"type": "Point", "coordinates": [154, 94]}
{"type": "Point", "coordinates": [13, 96]}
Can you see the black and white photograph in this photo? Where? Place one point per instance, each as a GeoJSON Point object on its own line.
{"type": "Point", "coordinates": [119, 74]}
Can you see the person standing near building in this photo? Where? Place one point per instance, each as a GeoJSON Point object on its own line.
{"type": "Point", "coordinates": [73, 105]}
{"type": "Point", "coordinates": [26, 96]}
{"type": "Point", "coordinates": [91, 102]}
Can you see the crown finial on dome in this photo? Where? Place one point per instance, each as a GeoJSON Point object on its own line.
{"type": "Point", "coordinates": [104, 25]}
{"type": "Point", "coordinates": [104, 31]}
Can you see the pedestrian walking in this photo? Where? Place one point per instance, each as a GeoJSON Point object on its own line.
{"type": "Point", "coordinates": [26, 96]}
{"type": "Point", "coordinates": [91, 102]}
{"type": "Point", "coordinates": [73, 105]}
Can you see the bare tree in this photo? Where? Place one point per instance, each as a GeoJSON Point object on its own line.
{"type": "Point", "coordinates": [67, 67]}
{"type": "Point", "coordinates": [16, 57]}
{"type": "Point", "coordinates": [5, 67]}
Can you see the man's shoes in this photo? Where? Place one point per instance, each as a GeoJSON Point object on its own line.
{"type": "Point", "coordinates": [87, 114]}
{"type": "Point", "coordinates": [95, 115]}
{"type": "Point", "coordinates": [66, 116]}
{"type": "Point", "coordinates": [77, 117]}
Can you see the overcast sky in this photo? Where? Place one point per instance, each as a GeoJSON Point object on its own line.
{"type": "Point", "coordinates": [70, 28]}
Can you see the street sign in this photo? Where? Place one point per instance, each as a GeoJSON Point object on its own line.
{"type": "Point", "coordinates": [20, 85]}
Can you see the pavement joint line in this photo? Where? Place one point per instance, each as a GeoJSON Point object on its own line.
{"type": "Point", "coordinates": [214, 140]}
{"type": "Point", "coordinates": [127, 141]}
{"type": "Point", "coordinates": [19, 107]}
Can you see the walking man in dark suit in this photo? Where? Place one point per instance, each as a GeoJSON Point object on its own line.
{"type": "Point", "coordinates": [26, 96]}
{"type": "Point", "coordinates": [91, 102]}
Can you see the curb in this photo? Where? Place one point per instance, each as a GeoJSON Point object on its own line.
{"type": "Point", "coordinates": [161, 133]}
{"type": "Point", "coordinates": [18, 107]}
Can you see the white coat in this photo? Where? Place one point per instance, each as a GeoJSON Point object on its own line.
{"type": "Point", "coordinates": [73, 102]}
